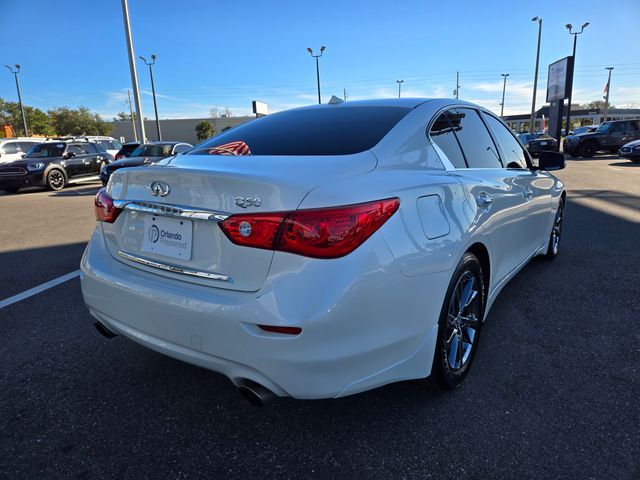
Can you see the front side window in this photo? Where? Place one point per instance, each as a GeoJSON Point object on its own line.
{"type": "Point", "coordinates": [443, 136]}
{"type": "Point", "coordinates": [477, 145]}
{"type": "Point", "coordinates": [76, 149]}
{"type": "Point", "coordinates": [514, 156]}
{"type": "Point", "coordinates": [332, 130]}
{"type": "Point", "coordinates": [604, 128]}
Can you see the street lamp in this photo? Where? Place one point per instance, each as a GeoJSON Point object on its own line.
{"type": "Point", "coordinates": [153, 91]}
{"type": "Point", "coordinates": [504, 87]}
{"type": "Point", "coordinates": [24, 118]}
{"type": "Point", "coordinates": [569, 27]}
{"type": "Point", "coordinates": [322, 49]}
{"type": "Point", "coordinates": [532, 120]}
{"type": "Point", "coordinates": [399, 86]}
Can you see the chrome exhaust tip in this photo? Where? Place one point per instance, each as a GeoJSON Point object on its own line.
{"type": "Point", "coordinates": [255, 393]}
{"type": "Point", "coordinates": [104, 331]}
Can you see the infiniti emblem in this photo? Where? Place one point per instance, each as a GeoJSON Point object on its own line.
{"type": "Point", "coordinates": [159, 189]}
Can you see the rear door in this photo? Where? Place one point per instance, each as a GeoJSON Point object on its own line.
{"type": "Point", "coordinates": [93, 158]}
{"type": "Point", "coordinates": [496, 197]}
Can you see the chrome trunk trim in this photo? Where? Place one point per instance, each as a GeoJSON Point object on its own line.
{"type": "Point", "coordinates": [173, 268]}
{"type": "Point", "coordinates": [171, 210]}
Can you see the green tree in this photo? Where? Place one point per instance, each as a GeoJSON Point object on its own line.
{"type": "Point", "coordinates": [204, 130]}
{"type": "Point", "coordinates": [596, 105]}
{"type": "Point", "coordinates": [66, 121]}
{"type": "Point", "coordinates": [38, 122]}
{"type": "Point", "coordinates": [122, 117]}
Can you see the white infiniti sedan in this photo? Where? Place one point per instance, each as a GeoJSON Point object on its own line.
{"type": "Point", "coordinates": [327, 250]}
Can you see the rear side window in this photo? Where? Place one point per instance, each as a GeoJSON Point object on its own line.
{"type": "Point", "coordinates": [442, 134]}
{"type": "Point", "coordinates": [10, 147]}
{"type": "Point", "coordinates": [181, 148]}
{"type": "Point", "coordinates": [334, 130]}
{"type": "Point", "coordinates": [514, 156]}
{"type": "Point", "coordinates": [26, 146]}
{"type": "Point", "coordinates": [477, 145]}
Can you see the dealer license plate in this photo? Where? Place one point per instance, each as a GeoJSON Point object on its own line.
{"type": "Point", "coordinates": [169, 237]}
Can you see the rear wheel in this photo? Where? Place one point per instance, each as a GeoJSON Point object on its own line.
{"type": "Point", "coordinates": [556, 232]}
{"type": "Point", "coordinates": [55, 180]}
{"type": "Point", "coordinates": [460, 323]}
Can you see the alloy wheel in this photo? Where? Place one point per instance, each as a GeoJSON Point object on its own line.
{"type": "Point", "coordinates": [556, 231]}
{"type": "Point", "coordinates": [463, 321]}
{"type": "Point", "coordinates": [56, 179]}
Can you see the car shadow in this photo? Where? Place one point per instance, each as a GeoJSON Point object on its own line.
{"type": "Point", "coordinates": [628, 163]}
{"type": "Point", "coordinates": [82, 191]}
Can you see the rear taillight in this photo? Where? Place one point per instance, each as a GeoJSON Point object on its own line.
{"type": "Point", "coordinates": [319, 233]}
{"type": "Point", "coordinates": [105, 210]}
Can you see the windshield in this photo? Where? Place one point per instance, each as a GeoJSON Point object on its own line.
{"type": "Point", "coordinates": [46, 150]}
{"type": "Point", "coordinates": [152, 151]}
{"type": "Point", "coordinates": [322, 131]}
{"type": "Point", "coordinates": [604, 128]}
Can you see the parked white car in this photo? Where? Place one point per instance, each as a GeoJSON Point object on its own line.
{"type": "Point", "coordinates": [12, 149]}
{"type": "Point", "coordinates": [110, 144]}
{"type": "Point", "coordinates": [350, 246]}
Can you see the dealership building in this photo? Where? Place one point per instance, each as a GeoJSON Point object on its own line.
{"type": "Point", "coordinates": [178, 129]}
{"type": "Point", "coordinates": [520, 123]}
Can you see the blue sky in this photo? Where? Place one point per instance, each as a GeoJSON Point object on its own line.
{"type": "Point", "coordinates": [225, 54]}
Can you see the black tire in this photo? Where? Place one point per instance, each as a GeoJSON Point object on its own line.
{"type": "Point", "coordinates": [553, 248]}
{"type": "Point", "coordinates": [56, 180]}
{"type": "Point", "coordinates": [459, 324]}
{"type": "Point", "coordinates": [588, 150]}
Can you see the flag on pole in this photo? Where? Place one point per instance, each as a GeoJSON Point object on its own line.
{"type": "Point", "coordinates": [544, 124]}
{"type": "Point", "coordinates": [606, 88]}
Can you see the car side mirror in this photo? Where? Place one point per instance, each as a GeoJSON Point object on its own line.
{"type": "Point", "coordinates": [69, 155]}
{"type": "Point", "coordinates": [551, 161]}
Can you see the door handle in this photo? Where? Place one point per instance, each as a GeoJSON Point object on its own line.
{"type": "Point", "coordinates": [484, 200]}
{"type": "Point", "coordinates": [527, 193]}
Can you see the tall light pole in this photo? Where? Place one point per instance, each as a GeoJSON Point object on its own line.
{"type": "Point", "coordinates": [15, 74]}
{"type": "Point", "coordinates": [322, 49]}
{"type": "Point", "coordinates": [504, 88]}
{"type": "Point", "coordinates": [134, 74]}
{"type": "Point", "coordinates": [399, 86]}
{"type": "Point", "coordinates": [573, 56]}
{"type": "Point", "coordinates": [153, 91]}
{"type": "Point", "coordinates": [532, 120]}
{"type": "Point", "coordinates": [606, 98]}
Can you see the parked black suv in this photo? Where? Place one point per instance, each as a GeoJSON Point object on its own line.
{"type": "Point", "coordinates": [52, 164]}
{"type": "Point", "coordinates": [608, 137]}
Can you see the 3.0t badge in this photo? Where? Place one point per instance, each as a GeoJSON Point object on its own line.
{"type": "Point", "coordinates": [158, 188]}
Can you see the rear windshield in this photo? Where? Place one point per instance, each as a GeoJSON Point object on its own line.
{"type": "Point", "coordinates": [46, 150]}
{"type": "Point", "coordinates": [110, 144]}
{"type": "Point", "coordinates": [323, 131]}
{"type": "Point", "coordinates": [152, 151]}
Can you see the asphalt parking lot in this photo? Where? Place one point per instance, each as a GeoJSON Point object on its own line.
{"type": "Point", "coordinates": [553, 393]}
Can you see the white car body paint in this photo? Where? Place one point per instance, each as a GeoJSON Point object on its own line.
{"type": "Point", "coordinates": [369, 318]}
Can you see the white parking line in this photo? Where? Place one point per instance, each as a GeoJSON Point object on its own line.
{"type": "Point", "coordinates": [40, 288]}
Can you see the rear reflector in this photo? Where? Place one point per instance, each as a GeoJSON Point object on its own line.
{"type": "Point", "coordinates": [105, 210]}
{"type": "Point", "coordinates": [318, 233]}
{"type": "Point", "coordinates": [285, 330]}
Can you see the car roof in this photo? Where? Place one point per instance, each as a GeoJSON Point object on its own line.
{"type": "Point", "coordinates": [380, 102]}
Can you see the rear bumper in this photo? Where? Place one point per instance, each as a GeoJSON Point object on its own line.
{"type": "Point", "coordinates": [363, 323]}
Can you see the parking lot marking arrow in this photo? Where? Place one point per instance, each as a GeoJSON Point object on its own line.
{"type": "Point", "coordinates": [40, 288]}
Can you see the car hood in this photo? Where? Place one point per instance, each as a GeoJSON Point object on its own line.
{"type": "Point", "coordinates": [635, 143]}
{"type": "Point", "coordinates": [23, 162]}
{"type": "Point", "coordinates": [132, 162]}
